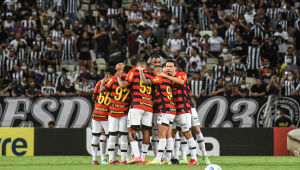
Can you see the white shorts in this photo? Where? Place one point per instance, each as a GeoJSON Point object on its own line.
{"type": "Point", "coordinates": [154, 121]}
{"type": "Point", "coordinates": [117, 124]}
{"type": "Point", "coordinates": [138, 117]}
{"type": "Point", "coordinates": [165, 119]}
{"type": "Point", "coordinates": [183, 121]}
{"type": "Point", "coordinates": [195, 118]}
{"type": "Point", "coordinates": [98, 126]}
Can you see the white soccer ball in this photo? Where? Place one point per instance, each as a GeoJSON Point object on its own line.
{"type": "Point", "coordinates": [213, 167]}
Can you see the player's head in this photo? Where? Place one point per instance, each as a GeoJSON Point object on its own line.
{"type": "Point", "coordinates": [142, 63]}
{"type": "Point", "coordinates": [120, 67]}
{"type": "Point", "coordinates": [171, 67]}
{"type": "Point", "coordinates": [164, 67]}
{"type": "Point", "coordinates": [158, 70]}
{"type": "Point", "coordinates": [51, 124]}
{"type": "Point", "coordinates": [110, 71]}
{"type": "Point", "coordinates": [150, 68]}
{"type": "Point", "coordinates": [282, 111]}
{"type": "Point", "coordinates": [156, 61]}
{"type": "Point", "coordinates": [127, 68]}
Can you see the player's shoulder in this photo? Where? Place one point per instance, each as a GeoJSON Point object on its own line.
{"type": "Point", "coordinates": [180, 74]}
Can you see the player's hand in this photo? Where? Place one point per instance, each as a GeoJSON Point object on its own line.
{"type": "Point", "coordinates": [139, 68]}
{"type": "Point", "coordinates": [163, 74]}
{"type": "Point", "coordinates": [118, 74]}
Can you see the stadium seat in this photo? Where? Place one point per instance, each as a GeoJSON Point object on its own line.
{"type": "Point", "coordinates": [202, 33]}
{"type": "Point", "coordinates": [85, 7]}
{"type": "Point", "coordinates": [100, 61]}
{"type": "Point", "coordinates": [93, 7]}
{"type": "Point", "coordinates": [212, 61]}
{"type": "Point", "coordinates": [250, 81]}
{"type": "Point", "coordinates": [297, 4]}
{"type": "Point", "coordinates": [95, 14]}
{"type": "Point", "coordinates": [45, 28]}
{"type": "Point", "coordinates": [69, 67]}
{"type": "Point", "coordinates": [49, 13]}
{"type": "Point", "coordinates": [86, 1]}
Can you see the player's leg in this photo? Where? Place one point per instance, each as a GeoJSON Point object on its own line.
{"type": "Point", "coordinates": [139, 137]}
{"type": "Point", "coordinates": [96, 133]}
{"type": "Point", "coordinates": [185, 122]}
{"type": "Point", "coordinates": [199, 135]}
{"type": "Point", "coordinates": [123, 140]}
{"type": "Point", "coordinates": [103, 145]}
{"type": "Point", "coordinates": [113, 132]}
{"type": "Point", "coordinates": [162, 134]}
{"type": "Point", "coordinates": [134, 122]}
{"type": "Point", "coordinates": [155, 139]}
{"type": "Point", "coordinates": [183, 148]}
{"type": "Point", "coordinates": [146, 129]}
{"type": "Point", "coordinates": [170, 140]}
{"type": "Point", "coordinates": [175, 135]}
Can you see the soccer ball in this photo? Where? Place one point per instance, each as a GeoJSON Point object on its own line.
{"type": "Point", "coordinates": [213, 167]}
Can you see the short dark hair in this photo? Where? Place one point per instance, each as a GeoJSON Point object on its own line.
{"type": "Point", "coordinates": [110, 70]}
{"type": "Point", "coordinates": [51, 123]}
{"type": "Point", "coordinates": [171, 61]}
{"type": "Point", "coordinates": [127, 68]}
{"type": "Point", "coordinates": [133, 60]}
{"type": "Point", "coordinates": [142, 61]}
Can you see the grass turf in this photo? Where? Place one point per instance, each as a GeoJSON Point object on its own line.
{"type": "Point", "coordinates": [84, 163]}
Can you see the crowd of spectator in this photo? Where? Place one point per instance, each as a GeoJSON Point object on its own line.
{"type": "Point", "coordinates": [51, 47]}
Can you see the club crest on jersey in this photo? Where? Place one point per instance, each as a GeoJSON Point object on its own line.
{"type": "Point", "coordinates": [156, 79]}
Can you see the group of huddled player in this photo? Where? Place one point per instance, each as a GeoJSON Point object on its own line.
{"type": "Point", "coordinates": [132, 102]}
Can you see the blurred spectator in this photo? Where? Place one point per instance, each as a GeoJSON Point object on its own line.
{"type": "Point", "coordinates": [296, 41]}
{"type": "Point", "coordinates": [258, 88]}
{"type": "Point", "coordinates": [220, 70]}
{"type": "Point", "coordinates": [175, 44]}
{"type": "Point", "coordinates": [67, 90]}
{"type": "Point", "coordinates": [68, 48]}
{"type": "Point", "coordinates": [219, 90]}
{"type": "Point", "coordinates": [281, 39]}
{"type": "Point", "coordinates": [273, 87]}
{"type": "Point", "coordinates": [288, 84]}
{"type": "Point", "coordinates": [84, 48]}
{"type": "Point", "coordinates": [64, 75]}
{"type": "Point", "coordinates": [197, 85]}
{"type": "Point", "coordinates": [253, 58]}
{"type": "Point", "coordinates": [210, 83]}
{"type": "Point", "coordinates": [269, 50]}
{"type": "Point", "coordinates": [48, 90]}
{"type": "Point", "coordinates": [195, 58]}
{"type": "Point", "coordinates": [241, 91]}
{"type": "Point", "coordinates": [33, 89]}
{"type": "Point", "coordinates": [85, 87]}
{"type": "Point", "coordinates": [51, 124]}
{"type": "Point", "coordinates": [282, 119]}
{"type": "Point", "coordinates": [215, 44]}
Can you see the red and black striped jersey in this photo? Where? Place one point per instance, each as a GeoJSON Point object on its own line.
{"type": "Point", "coordinates": [189, 97]}
{"type": "Point", "coordinates": [141, 94]}
{"type": "Point", "coordinates": [102, 103]}
{"type": "Point", "coordinates": [164, 95]}
{"type": "Point", "coordinates": [120, 98]}
{"type": "Point", "coordinates": [180, 95]}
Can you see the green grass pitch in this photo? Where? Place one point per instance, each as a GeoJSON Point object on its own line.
{"type": "Point", "coordinates": [84, 163]}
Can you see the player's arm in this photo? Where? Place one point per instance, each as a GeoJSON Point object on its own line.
{"type": "Point", "coordinates": [107, 85]}
{"type": "Point", "coordinates": [122, 84]}
{"type": "Point", "coordinates": [144, 81]}
{"type": "Point", "coordinates": [95, 91]}
{"type": "Point", "coordinates": [173, 79]}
